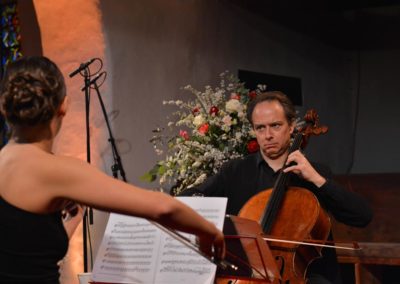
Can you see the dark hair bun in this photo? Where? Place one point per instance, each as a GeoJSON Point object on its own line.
{"type": "Point", "coordinates": [31, 91]}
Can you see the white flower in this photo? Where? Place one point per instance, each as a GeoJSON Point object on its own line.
{"type": "Point", "coordinates": [200, 179]}
{"type": "Point", "coordinates": [233, 105]}
{"type": "Point", "coordinates": [226, 128]}
{"type": "Point", "coordinates": [262, 87]}
{"type": "Point", "coordinates": [241, 114]}
{"type": "Point", "coordinates": [227, 120]}
{"type": "Point", "coordinates": [163, 179]}
{"type": "Point", "coordinates": [196, 164]}
{"type": "Point", "coordinates": [198, 120]}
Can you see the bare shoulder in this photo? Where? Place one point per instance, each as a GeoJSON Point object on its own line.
{"type": "Point", "coordinates": [26, 172]}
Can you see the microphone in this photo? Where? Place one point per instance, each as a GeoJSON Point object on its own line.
{"type": "Point", "coordinates": [95, 78]}
{"type": "Point", "coordinates": [81, 67]}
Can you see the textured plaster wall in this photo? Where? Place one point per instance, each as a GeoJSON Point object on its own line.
{"type": "Point", "coordinates": [156, 47]}
{"type": "Point", "coordinates": [71, 33]}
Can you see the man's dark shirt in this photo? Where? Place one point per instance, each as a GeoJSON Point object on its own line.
{"type": "Point", "coordinates": [240, 179]}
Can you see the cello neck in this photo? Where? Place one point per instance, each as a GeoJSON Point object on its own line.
{"type": "Point", "coordinates": [278, 190]}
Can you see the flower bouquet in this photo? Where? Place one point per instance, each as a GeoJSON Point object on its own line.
{"type": "Point", "coordinates": [207, 131]}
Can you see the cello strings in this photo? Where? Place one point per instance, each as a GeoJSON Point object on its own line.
{"type": "Point", "coordinates": [278, 192]}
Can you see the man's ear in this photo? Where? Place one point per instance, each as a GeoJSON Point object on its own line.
{"type": "Point", "coordinates": [63, 107]}
{"type": "Point", "coordinates": [292, 126]}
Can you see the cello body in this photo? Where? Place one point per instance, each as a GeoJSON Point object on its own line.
{"type": "Point", "coordinates": [299, 217]}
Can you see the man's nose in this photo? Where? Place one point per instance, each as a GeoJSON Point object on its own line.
{"type": "Point", "coordinates": [268, 133]}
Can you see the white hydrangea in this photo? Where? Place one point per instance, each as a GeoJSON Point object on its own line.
{"type": "Point", "coordinates": [233, 105]}
{"type": "Point", "coordinates": [198, 120]}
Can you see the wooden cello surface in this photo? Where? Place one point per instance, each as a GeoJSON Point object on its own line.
{"type": "Point", "coordinates": [300, 217]}
{"type": "Point", "coordinates": [256, 261]}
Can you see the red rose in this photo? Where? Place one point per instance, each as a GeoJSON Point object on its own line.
{"type": "Point", "coordinates": [203, 129]}
{"type": "Point", "coordinates": [235, 96]}
{"type": "Point", "coordinates": [214, 110]}
{"type": "Point", "coordinates": [184, 134]}
{"type": "Point", "coordinates": [252, 146]}
{"type": "Point", "coordinates": [195, 110]}
{"type": "Point", "coordinates": [252, 95]}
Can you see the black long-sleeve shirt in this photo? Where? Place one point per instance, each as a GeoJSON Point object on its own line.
{"type": "Point", "coordinates": [241, 179]}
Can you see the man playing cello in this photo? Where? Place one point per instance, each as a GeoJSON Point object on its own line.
{"type": "Point", "coordinates": [272, 116]}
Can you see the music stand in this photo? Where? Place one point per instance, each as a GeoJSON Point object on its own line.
{"type": "Point", "coordinates": [248, 251]}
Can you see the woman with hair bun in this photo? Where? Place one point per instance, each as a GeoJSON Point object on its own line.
{"type": "Point", "coordinates": [36, 185]}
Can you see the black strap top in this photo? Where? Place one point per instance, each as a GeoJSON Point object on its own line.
{"type": "Point", "coordinates": [30, 245]}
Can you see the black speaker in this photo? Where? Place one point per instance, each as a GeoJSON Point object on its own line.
{"type": "Point", "coordinates": [291, 86]}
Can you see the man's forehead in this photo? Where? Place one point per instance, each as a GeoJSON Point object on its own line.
{"type": "Point", "coordinates": [270, 122]}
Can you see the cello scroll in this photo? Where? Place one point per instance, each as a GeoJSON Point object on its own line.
{"type": "Point", "coordinates": [310, 126]}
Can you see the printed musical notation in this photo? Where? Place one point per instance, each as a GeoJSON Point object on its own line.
{"type": "Point", "coordinates": [135, 251]}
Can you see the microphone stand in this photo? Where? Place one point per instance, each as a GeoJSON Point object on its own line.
{"type": "Point", "coordinates": [84, 70]}
{"type": "Point", "coordinates": [87, 216]}
{"type": "Point", "coordinates": [117, 166]}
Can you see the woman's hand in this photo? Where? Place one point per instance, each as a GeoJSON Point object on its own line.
{"type": "Point", "coordinates": [212, 244]}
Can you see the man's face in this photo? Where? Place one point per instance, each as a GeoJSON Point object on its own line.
{"type": "Point", "coordinates": [272, 129]}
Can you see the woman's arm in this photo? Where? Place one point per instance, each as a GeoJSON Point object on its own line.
{"type": "Point", "coordinates": [76, 180]}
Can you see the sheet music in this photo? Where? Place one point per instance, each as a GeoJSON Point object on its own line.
{"type": "Point", "coordinates": [135, 251]}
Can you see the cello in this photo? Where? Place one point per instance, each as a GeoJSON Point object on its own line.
{"type": "Point", "coordinates": [280, 212]}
